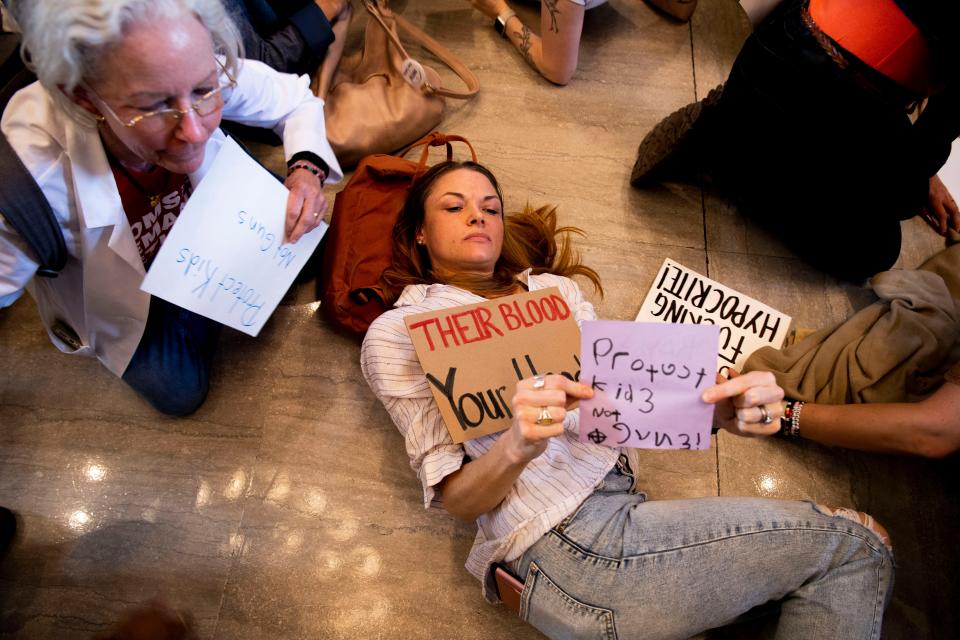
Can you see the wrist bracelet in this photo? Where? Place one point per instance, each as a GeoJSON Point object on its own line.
{"type": "Point", "coordinates": [790, 420]}
{"type": "Point", "coordinates": [500, 22]}
{"type": "Point", "coordinates": [300, 164]}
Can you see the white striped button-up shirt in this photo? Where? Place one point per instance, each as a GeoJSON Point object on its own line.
{"type": "Point", "coordinates": [550, 488]}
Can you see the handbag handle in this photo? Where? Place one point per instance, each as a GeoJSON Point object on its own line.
{"type": "Point", "coordinates": [431, 45]}
{"type": "Point", "coordinates": [436, 139]}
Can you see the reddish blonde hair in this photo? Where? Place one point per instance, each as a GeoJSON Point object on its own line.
{"type": "Point", "coordinates": [531, 239]}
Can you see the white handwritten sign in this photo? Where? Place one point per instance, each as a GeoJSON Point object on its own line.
{"type": "Point", "coordinates": [680, 295]}
{"type": "Point", "coordinates": [647, 380]}
{"type": "Point", "coordinates": [225, 257]}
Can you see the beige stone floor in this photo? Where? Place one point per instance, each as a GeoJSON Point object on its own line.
{"type": "Point", "coordinates": [285, 507]}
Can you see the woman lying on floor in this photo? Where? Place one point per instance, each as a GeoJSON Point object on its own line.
{"type": "Point", "coordinates": [596, 558]}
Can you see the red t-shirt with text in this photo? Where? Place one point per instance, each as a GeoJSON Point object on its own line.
{"type": "Point", "coordinates": [151, 223]}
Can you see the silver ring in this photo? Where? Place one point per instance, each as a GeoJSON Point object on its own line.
{"type": "Point", "coordinates": [544, 418]}
{"type": "Point", "coordinates": [316, 214]}
{"type": "Point", "coordinates": [765, 417]}
{"type": "Point", "coordinates": [539, 382]}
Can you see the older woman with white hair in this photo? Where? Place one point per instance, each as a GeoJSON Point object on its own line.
{"type": "Point", "coordinates": [119, 130]}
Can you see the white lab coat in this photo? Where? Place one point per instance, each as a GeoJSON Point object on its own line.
{"type": "Point", "coordinates": [98, 292]}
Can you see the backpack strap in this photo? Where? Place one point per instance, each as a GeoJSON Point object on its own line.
{"type": "Point", "coordinates": [435, 139]}
{"type": "Point", "coordinates": [22, 204]}
{"type": "Point", "coordinates": [26, 209]}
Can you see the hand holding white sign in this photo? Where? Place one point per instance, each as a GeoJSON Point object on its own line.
{"type": "Point", "coordinates": [225, 258]}
{"type": "Point", "coordinates": [306, 205]}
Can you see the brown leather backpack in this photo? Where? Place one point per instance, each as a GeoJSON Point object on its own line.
{"type": "Point", "coordinates": [360, 239]}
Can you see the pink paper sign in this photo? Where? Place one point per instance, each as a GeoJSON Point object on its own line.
{"type": "Point", "coordinates": [647, 380]}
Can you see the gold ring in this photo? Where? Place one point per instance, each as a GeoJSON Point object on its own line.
{"type": "Point", "coordinates": [544, 418]}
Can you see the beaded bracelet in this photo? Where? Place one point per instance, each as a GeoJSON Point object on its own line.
{"type": "Point", "coordinates": [309, 167]}
{"type": "Point", "coordinates": [790, 420]}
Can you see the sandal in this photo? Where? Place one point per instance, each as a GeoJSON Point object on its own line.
{"type": "Point", "coordinates": [863, 519]}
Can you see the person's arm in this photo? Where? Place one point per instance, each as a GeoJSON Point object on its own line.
{"type": "Point", "coordinates": [323, 79]}
{"type": "Point", "coordinates": [480, 485]}
{"type": "Point", "coordinates": [737, 401]}
{"type": "Point", "coordinates": [285, 104]}
{"type": "Point", "coordinates": [941, 211]}
{"type": "Point", "coordinates": [282, 50]}
{"type": "Point", "coordinates": [555, 51]}
{"type": "Point", "coordinates": [315, 22]}
{"type": "Point", "coordinates": [31, 144]}
{"type": "Point", "coordinates": [929, 428]}
{"type": "Point", "coordinates": [265, 98]}
{"type": "Point", "coordinates": [17, 266]}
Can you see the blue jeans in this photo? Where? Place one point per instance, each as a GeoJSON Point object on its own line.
{"type": "Point", "coordinates": [621, 567]}
{"type": "Point", "coordinates": [171, 366]}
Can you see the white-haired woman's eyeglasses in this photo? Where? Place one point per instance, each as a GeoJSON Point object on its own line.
{"type": "Point", "coordinates": [167, 118]}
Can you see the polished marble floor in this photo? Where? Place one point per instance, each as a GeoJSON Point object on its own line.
{"type": "Point", "coordinates": [285, 507]}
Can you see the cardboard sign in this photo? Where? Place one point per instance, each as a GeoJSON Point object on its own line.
{"type": "Point", "coordinates": [647, 380]}
{"type": "Point", "coordinates": [225, 257]}
{"type": "Point", "coordinates": [682, 296]}
{"type": "Point", "coordinates": [474, 355]}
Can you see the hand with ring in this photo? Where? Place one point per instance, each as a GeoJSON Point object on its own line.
{"type": "Point", "coordinates": [544, 418]}
{"type": "Point", "coordinates": [941, 211]}
{"type": "Point", "coordinates": [539, 407]}
{"type": "Point", "coordinates": [306, 204]}
{"type": "Point", "coordinates": [747, 405]}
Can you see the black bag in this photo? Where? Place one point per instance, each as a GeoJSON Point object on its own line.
{"type": "Point", "coordinates": [22, 204]}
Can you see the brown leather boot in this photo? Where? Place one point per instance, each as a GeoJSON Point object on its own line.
{"type": "Point", "coordinates": [670, 147]}
{"type": "Point", "coordinates": [679, 9]}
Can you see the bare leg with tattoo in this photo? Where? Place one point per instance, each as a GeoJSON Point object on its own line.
{"type": "Point", "coordinates": [554, 53]}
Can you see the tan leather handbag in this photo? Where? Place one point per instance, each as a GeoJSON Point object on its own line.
{"type": "Point", "coordinates": [386, 99]}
